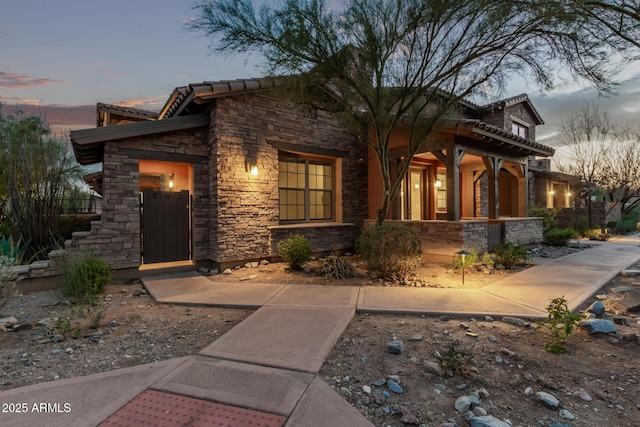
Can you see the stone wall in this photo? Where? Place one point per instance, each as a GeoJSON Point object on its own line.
{"type": "Point", "coordinates": [522, 230]}
{"type": "Point", "coordinates": [601, 214]}
{"type": "Point", "coordinates": [116, 237]}
{"type": "Point", "coordinates": [245, 209]}
{"type": "Point", "coordinates": [445, 238]}
{"type": "Point", "coordinates": [323, 239]}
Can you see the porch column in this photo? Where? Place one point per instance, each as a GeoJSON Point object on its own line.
{"type": "Point", "coordinates": [493, 165]}
{"type": "Point", "coordinates": [519, 170]}
{"type": "Point", "coordinates": [452, 162]}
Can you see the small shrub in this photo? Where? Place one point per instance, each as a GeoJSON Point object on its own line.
{"type": "Point", "coordinates": [391, 251]}
{"type": "Point", "coordinates": [560, 323]}
{"type": "Point", "coordinates": [455, 360]}
{"type": "Point", "coordinates": [469, 260]}
{"type": "Point", "coordinates": [8, 279]}
{"type": "Point", "coordinates": [68, 224]}
{"type": "Point", "coordinates": [295, 251]}
{"type": "Point", "coordinates": [509, 255]}
{"type": "Point", "coordinates": [335, 267]}
{"type": "Point", "coordinates": [549, 216]}
{"type": "Point", "coordinates": [487, 260]}
{"type": "Point", "coordinates": [96, 318]}
{"type": "Point", "coordinates": [596, 234]}
{"type": "Point", "coordinates": [559, 237]}
{"type": "Point", "coordinates": [84, 276]}
{"type": "Point", "coordinates": [626, 225]}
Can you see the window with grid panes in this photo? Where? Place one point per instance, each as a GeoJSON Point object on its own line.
{"type": "Point", "coordinates": [306, 189]}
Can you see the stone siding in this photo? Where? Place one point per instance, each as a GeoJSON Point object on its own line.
{"type": "Point", "coordinates": [447, 237]}
{"type": "Point", "coordinates": [323, 239]}
{"type": "Point", "coordinates": [245, 208]}
{"type": "Point", "coordinates": [522, 230]}
{"type": "Point", "coordinates": [116, 237]}
{"type": "Point", "coordinates": [601, 214]}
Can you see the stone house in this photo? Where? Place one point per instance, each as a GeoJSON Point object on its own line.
{"type": "Point", "coordinates": [228, 169]}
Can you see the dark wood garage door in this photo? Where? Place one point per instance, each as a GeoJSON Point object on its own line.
{"type": "Point", "coordinates": [165, 226]}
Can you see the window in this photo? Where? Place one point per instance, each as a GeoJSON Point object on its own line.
{"type": "Point", "coordinates": [441, 188]}
{"type": "Point", "coordinates": [519, 130]}
{"type": "Point", "coordinates": [306, 189]}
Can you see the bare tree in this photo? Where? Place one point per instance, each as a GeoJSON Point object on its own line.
{"type": "Point", "coordinates": [603, 154]}
{"type": "Point", "coordinates": [408, 63]}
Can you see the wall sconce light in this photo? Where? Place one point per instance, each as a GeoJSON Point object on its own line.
{"type": "Point", "coordinates": [438, 183]}
{"type": "Point", "coordinates": [551, 192]}
{"type": "Point", "coordinates": [417, 186]}
{"type": "Point", "coordinates": [171, 181]}
{"type": "Point", "coordinates": [569, 194]}
{"type": "Point", "coordinates": [252, 168]}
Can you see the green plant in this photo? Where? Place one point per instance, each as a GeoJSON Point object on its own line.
{"type": "Point", "coordinates": [469, 260]}
{"type": "Point", "coordinates": [487, 260]}
{"type": "Point", "coordinates": [560, 323]}
{"type": "Point", "coordinates": [549, 216]}
{"type": "Point", "coordinates": [596, 234]}
{"type": "Point", "coordinates": [12, 249]}
{"type": "Point", "coordinates": [391, 251]}
{"type": "Point", "coordinates": [509, 255]}
{"type": "Point", "coordinates": [295, 250]}
{"type": "Point", "coordinates": [335, 267]}
{"type": "Point", "coordinates": [96, 318]}
{"type": "Point", "coordinates": [559, 237]}
{"type": "Point", "coordinates": [63, 324]}
{"type": "Point", "coordinates": [455, 360]}
{"type": "Point", "coordinates": [8, 278]}
{"type": "Point", "coordinates": [626, 225]}
{"type": "Point", "coordinates": [84, 276]}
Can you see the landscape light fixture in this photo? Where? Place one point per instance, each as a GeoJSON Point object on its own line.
{"type": "Point", "coordinates": [463, 254]}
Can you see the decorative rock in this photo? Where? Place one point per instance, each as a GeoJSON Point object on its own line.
{"type": "Point", "coordinates": [346, 392]}
{"type": "Point", "coordinates": [492, 338]}
{"type": "Point", "coordinates": [379, 397]}
{"type": "Point", "coordinates": [8, 321]}
{"type": "Point", "coordinates": [395, 347]}
{"type": "Point", "coordinates": [585, 396]}
{"type": "Point", "coordinates": [597, 326]}
{"type": "Point", "coordinates": [227, 271]}
{"type": "Point", "coordinates": [409, 418]}
{"type": "Point", "coordinates": [463, 404]}
{"type": "Point", "coordinates": [483, 393]}
{"type": "Point", "coordinates": [379, 383]}
{"type": "Point", "coordinates": [513, 320]}
{"type": "Point", "coordinates": [21, 327]}
{"type": "Point", "coordinates": [394, 387]}
{"type": "Point", "coordinates": [366, 389]}
{"type": "Point", "coordinates": [112, 324]}
{"type": "Point", "coordinates": [479, 411]}
{"type": "Point", "coordinates": [416, 337]}
{"type": "Point", "coordinates": [529, 391]}
{"type": "Point", "coordinates": [621, 321]}
{"type": "Point", "coordinates": [621, 289]}
{"type": "Point", "coordinates": [548, 399]}
{"type": "Point", "coordinates": [264, 262]}
{"type": "Point", "coordinates": [566, 415]}
{"type": "Point", "coordinates": [488, 319]}
{"type": "Point", "coordinates": [56, 351]}
{"type": "Point", "coordinates": [630, 302]}
{"type": "Point", "coordinates": [596, 308]}
{"type": "Point", "coordinates": [486, 421]}
{"type": "Point", "coordinates": [630, 273]}
{"type": "Point", "coordinates": [433, 367]}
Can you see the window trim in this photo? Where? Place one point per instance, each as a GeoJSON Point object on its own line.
{"type": "Point", "coordinates": [307, 190]}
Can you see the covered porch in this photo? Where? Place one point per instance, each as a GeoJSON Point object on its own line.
{"type": "Point", "coordinates": [466, 188]}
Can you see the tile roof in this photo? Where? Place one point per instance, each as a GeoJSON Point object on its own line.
{"type": "Point", "coordinates": [482, 128]}
{"type": "Point", "coordinates": [102, 107]}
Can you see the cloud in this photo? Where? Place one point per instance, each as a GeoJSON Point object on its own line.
{"type": "Point", "coordinates": [13, 80]}
{"type": "Point", "coordinates": [151, 102]}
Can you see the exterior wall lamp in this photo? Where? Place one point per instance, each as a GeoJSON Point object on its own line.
{"type": "Point", "coordinates": [551, 192]}
{"type": "Point", "coordinates": [171, 181]}
{"type": "Point", "coordinates": [252, 168]}
{"type": "Point", "coordinates": [438, 183]}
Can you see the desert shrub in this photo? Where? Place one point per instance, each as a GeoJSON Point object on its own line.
{"type": "Point", "coordinates": [295, 250]}
{"type": "Point", "coordinates": [487, 260]}
{"type": "Point", "coordinates": [7, 279]}
{"type": "Point", "coordinates": [559, 237]}
{"type": "Point", "coordinates": [84, 276]}
{"type": "Point", "coordinates": [509, 255]}
{"type": "Point", "coordinates": [455, 359]}
{"type": "Point", "coordinates": [596, 234]}
{"type": "Point", "coordinates": [12, 249]}
{"type": "Point", "coordinates": [560, 323]}
{"type": "Point", "coordinates": [626, 225]}
{"type": "Point", "coordinates": [335, 267]}
{"type": "Point", "coordinates": [391, 251]}
{"type": "Point", "coordinates": [469, 260]}
{"type": "Point", "coordinates": [549, 216]}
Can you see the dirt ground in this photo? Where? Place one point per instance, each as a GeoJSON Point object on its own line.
{"type": "Point", "coordinates": [505, 364]}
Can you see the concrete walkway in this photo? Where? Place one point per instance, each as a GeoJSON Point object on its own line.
{"type": "Point", "coordinates": [269, 362]}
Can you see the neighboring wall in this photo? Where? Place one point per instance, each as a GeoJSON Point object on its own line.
{"type": "Point", "coordinates": [601, 214]}
{"type": "Point", "coordinates": [244, 208]}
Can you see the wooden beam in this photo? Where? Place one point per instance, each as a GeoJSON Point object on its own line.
{"type": "Point", "coordinates": [493, 165]}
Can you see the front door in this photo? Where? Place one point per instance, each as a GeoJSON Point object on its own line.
{"type": "Point", "coordinates": [165, 218]}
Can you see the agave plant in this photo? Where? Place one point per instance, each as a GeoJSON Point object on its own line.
{"type": "Point", "coordinates": [12, 249]}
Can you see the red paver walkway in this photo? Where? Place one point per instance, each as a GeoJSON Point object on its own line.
{"type": "Point", "coordinates": [155, 408]}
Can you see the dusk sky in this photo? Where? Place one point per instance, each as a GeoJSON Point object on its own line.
{"type": "Point", "coordinates": [133, 53]}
